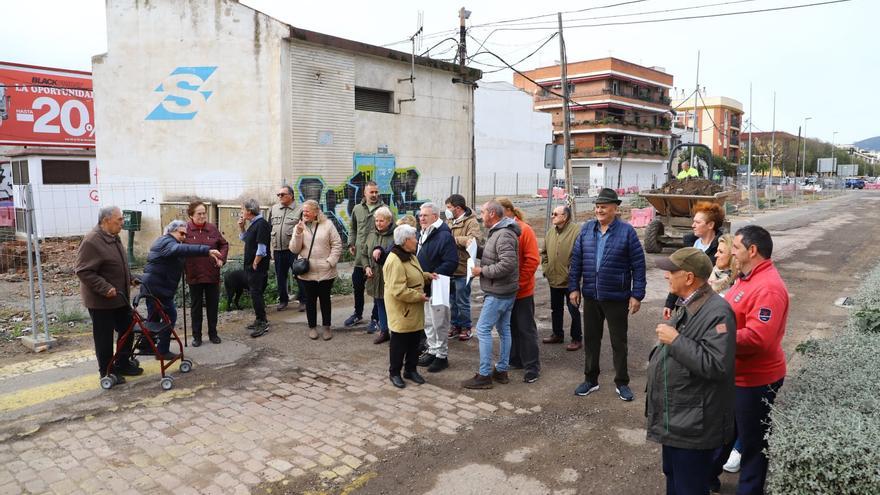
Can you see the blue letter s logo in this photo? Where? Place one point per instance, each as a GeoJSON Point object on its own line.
{"type": "Point", "coordinates": [183, 100]}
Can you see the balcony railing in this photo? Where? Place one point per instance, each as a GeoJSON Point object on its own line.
{"type": "Point", "coordinates": [618, 123]}
{"type": "Point", "coordinates": [611, 151]}
{"type": "Point", "coordinates": [663, 100]}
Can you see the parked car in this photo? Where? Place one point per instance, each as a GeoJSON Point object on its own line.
{"type": "Point", "coordinates": [854, 183]}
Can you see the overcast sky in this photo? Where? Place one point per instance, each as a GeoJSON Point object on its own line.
{"type": "Point", "coordinates": [822, 61]}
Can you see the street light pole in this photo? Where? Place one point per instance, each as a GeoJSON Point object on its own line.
{"type": "Point", "coordinates": [833, 161]}
{"type": "Point", "coordinates": [804, 159]}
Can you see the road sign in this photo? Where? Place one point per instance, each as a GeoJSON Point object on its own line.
{"type": "Point", "coordinates": [554, 156]}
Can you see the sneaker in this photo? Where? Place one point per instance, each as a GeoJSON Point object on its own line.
{"type": "Point", "coordinates": [733, 462]}
{"type": "Point", "coordinates": [373, 327]}
{"type": "Point", "coordinates": [426, 359]}
{"type": "Point", "coordinates": [625, 393]}
{"type": "Point", "coordinates": [586, 388]}
{"type": "Point", "coordinates": [252, 325]}
{"type": "Point", "coordinates": [353, 320]}
{"type": "Point", "coordinates": [260, 329]}
{"type": "Point", "coordinates": [438, 365]}
{"type": "Point", "coordinates": [454, 332]}
{"type": "Point", "coordinates": [478, 382]}
{"type": "Point", "coordinates": [500, 376]}
{"type": "Point", "coordinates": [381, 338]}
{"type": "Point", "coordinates": [465, 334]}
{"type": "Point", "coordinates": [530, 377]}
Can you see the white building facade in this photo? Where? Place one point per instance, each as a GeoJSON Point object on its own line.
{"type": "Point", "coordinates": [217, 101]}
{"type": "Point", "coordinates": [509, 140]}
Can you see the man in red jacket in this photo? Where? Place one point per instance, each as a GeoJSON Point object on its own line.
{"type": "Point", "coordinates": [760, 302]}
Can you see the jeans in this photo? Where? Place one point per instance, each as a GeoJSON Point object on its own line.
{"type": "Point", "coordinates": [283, 261]}
{"type": "Point", "coordinates": [752, 411]}
{"type": "Point", "coordinates": [558, 300]}
{"type": "Point", "coordinates": [314, 292]}
{"type": "Point", "coordinates": [383, 314]}
{"type": "Point", "coordinates": [461, 302]}
{"type": "Point", "coordinates": [359, 281]}
{"type": "Point", "coordinates": [257, 281]}
{"type": "Point", "coordinates": [437, 329]}
{"type": "Point", "coordinates": [596, 313]}
{"type": "Point", "coordinates": [207, 295]}
{"type": "Point", "coordinates": [170, 309]}
{"type": "Point", "coordinates": [104, 322]}
{"type": "Point", "coordinates": [495, 313]}
{"type": "Point", "coordinates": [524, 351]}
{"type": "Point", "coordinates": [687, 470]}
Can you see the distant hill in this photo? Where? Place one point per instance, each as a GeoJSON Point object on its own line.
{"type": "Point", "coordinates": [869, 144]}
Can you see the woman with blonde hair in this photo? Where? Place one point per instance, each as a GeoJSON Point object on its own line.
{"type": "Point", "coordinates": [316, 240]}
{"type": "Point", "coordinates": [726, 268]}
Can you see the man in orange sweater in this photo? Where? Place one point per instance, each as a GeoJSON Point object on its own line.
{"type": "Point", "coordinates": [524, 351]}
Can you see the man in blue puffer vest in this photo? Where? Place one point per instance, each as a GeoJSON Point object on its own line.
{"type": "Point", "coordinates": [608, 269]}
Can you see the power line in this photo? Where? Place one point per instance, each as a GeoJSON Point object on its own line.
{"type": "Point", "coordinates": [670, 19]}
{"type": "Point", "coordinates": [494, 23]}
{"type": "Point", "coordinates": [438, 44]}
{"type": "Point", "coordinates": [522, 59]}
{"type": "Point", "coordinates": [634, 14]}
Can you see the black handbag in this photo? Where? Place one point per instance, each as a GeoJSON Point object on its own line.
{"type": "Point", "coordinates": [300, 266]}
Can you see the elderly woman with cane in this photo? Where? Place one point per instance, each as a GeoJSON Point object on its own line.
{"type": "Point", "coordinates": [163, 271]}
{"type": "Point", "coordinates": [405, 304]}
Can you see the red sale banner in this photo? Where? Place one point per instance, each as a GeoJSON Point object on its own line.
{"type": "Point", "coordinates": [45, 106]}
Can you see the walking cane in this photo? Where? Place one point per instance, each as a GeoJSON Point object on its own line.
{"type": "Point", "coordinates": [183, 283]}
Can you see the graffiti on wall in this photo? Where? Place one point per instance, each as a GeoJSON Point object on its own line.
{"type": "Point", "coordinates": [397, 188]}
{"type": "Point", "coordinates": [5, 181]}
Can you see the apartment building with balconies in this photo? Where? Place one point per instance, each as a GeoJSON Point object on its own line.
{"type": "Point", "coordinates": [718, 123]}
{"type": "Point", "coordinates": [620, 119]}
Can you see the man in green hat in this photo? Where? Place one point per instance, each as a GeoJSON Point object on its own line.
{"type": "Point", "coordinates": [690, 392]}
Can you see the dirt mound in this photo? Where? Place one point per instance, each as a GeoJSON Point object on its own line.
{"type": "Point", "coordinates": [695, 187]}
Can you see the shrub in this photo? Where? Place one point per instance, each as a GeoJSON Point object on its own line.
{"type": "Point", "coordinates": [826, 420]}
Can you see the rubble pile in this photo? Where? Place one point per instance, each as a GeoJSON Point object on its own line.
{"type": "Point", "coordinates": [692, 186]}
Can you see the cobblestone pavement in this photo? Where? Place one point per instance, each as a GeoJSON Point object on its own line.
{"type": "Point", "coordinates": [281, 424]}
{"type": "Point", "coordinates": [59, 360]}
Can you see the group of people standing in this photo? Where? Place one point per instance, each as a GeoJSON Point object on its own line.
{"type": "Point", "coordinates": [712, 377]}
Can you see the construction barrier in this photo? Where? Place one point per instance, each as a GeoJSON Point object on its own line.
{"type": "Point", "coordinates": [641, 217]}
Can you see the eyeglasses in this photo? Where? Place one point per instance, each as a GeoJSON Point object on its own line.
{"type": "Point", "coordinates": [554, 214]}
{"type": "Point", "coordinates": [281, 195]}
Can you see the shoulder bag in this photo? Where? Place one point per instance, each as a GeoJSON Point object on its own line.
{"type": "Point", "coordinates": [300, 265]}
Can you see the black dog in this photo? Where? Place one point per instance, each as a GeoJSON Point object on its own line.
{"type": "Point", "coordinates": [235, 283]}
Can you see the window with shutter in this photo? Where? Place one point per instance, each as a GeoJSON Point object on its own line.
{"type": "Point", "coordinates": [372, 100]}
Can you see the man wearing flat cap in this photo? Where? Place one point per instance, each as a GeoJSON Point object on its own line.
{"type": "Point", "coordinates": [690, 392]}
{"type": "Point", "coordinates": [607, 269]}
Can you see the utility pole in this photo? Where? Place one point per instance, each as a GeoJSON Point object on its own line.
{"type": "Point", "coordinates": [804, 158]}
{"type": "Point", "coordinates": [463, 15]}
{"type": "Point", "coordinates": [566, 124]}
{"type": "Point", "coordinates": [696, 97]}
{"type": "Point", "coordinates": [620, 165]}
{"type": "Point", "coordinates": [773, 140]}
{"type": "Point", "coordinates": [749, 178]}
